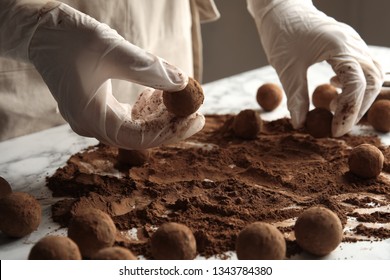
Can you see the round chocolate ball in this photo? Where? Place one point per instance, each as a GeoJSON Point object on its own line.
{"type": "Point", "coordinates": [5, 188]}
{"type": "Point", "coordinates": [55, 248]}
{"type": "Point", "coordinates": [247, 124]}
{"type": "Point", "coordinates": [319, 123]}
{"type": "Point", "coordinates": [379, 115]}
{"type": "Point", "coordinates": [318, 231]}
{"type": "Point", "coordinates": [260, 241]}
{"type": "Point", "coordinates": [323, 95]}
{"type": "Point", "coordinates": [92, 230]}
{"type": "Point", "coordinates": [184, 102]}
{"type": "Point", "coordinates": [383, 94]}
{"type": "Point", "coordinates": [20, 214]}
{"type": "Point", "coordinates": [269, 96]}
{"type": "Point", "coordinates": [173, 241]}
{"type": "Point", "coordinates": [366, 161]}
{"type": "Point", "coordinates": [114, 253]}
{"type": "Point", "coordinates": [133, 157]}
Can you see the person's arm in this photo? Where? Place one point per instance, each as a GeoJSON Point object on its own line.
{"type": "Point", "coordinates": [77, 56]}
{"type": "Point", "coordinates": [295, 35]}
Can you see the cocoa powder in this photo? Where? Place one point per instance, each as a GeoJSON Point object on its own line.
{"type": "Point", "coordinates": [216, 184]}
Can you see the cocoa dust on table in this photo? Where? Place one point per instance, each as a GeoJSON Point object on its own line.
{"type": "Point", "coordinates": [216, 184]}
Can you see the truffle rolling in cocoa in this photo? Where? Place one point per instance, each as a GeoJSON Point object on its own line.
{"type": "Point", "coordinates": [366, 161]}
{"type": "Point", "coordinates": [133, 157]}
{"type": "Point", "coordinates": [114, 253]}
{"type": "Point", "coordinates": [20, 214]}
{"type": "Point", "coordinates": [247, 124]}
{"type": "Point", "coordinates": [55, 248]}
{"type": "Point", "coordinates": [319, 123]}
{"type": "Point", "coordinates": [318, 231]}
{"type": "Point", "coordinates": [260, 241]}
{"type": "Point", "coordinates": [92, 230]}
{"type": "Point", "coordinates": [5, 188]}
{"type": "Point", "coordinates": [379, 115]}
{"type": "Point", "coordinates": [186, 101]}
{"type": "Point", "coordinates": [173, 241]}
{"type": "Point", "coordinates": [269, 96]}
{"type": "Point", "coordinates": [323, 96]}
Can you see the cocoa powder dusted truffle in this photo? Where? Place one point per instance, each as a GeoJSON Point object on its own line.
{"type": "Point", "coordinates": [383, 94]}
{"type": "Point", "coordinates": [5, 188]}
{"type": "Point", "coordinates": [20, 214]}
{"type": "Point", "coordinates": [323, 95]}
{"type": "Point", "coordinates": [55, 248]}
{"type": "Point", "coordinates": [186, 101]}
{"type": "Point", "coordinates": [173, 241]}
{"type": "Point", "coordinates": [114, 253]}
{"type": "Point", "coordinates": [269, 96]}
{"type": "Point", "coordinates": [319, 123]}
{"type": "Point", "coordinates": [247, 124]}
{"type": "Point", "coordinates": [379, 115]}
{"type": "Point", "coordinates": [92, 230]}
{"type": "Point", "coordinates": [260, 241]}
{"type": "Point", "coordinates": [133, 157]}
{"type": "Point", "coordinates": [318, 231]}
{"type": "Point", "coordinates": [366, 161]}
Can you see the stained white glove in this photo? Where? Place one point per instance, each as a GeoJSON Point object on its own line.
{"type": "Point", "coordinates": [295, 35]}
{"type": "Point", "coordinates": [77, 56]}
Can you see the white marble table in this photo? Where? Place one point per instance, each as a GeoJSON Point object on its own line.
{"type": "Point", "coordinates": [26, 161]}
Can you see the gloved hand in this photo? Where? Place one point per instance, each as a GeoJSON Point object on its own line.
{"type": "Point", "coordinates": [77, 56]}
{"type": "Point", "coordinates": [296, 35]}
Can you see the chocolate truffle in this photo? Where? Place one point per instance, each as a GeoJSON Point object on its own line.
{"type": "Point", "coordinates": [383, 94]}
{"type": "Point", "coordinates": [133, 157]}
{"type": "Point", "coordinates": [319, 123]}
{"type": "Point", "coordinates": [260, 241]}
{"type": "Point", "coordinates": [247, 124]}
{"type": "Point", "coordinates": [173, 241]}
{"type": "Point", "coordinates": [366, 161]}
{"type": "Point", "coordinates": [318, 231]}
{"type": "Point", "coordinates": [92, 230]}
{"type": "Point", "coordinates": [186, 101]}
{"type": "Point", "coordinates": [323, 95]}
{"type": "Point", "coordinates": [5, 188]}
{"type": "Point", "coordinates": [114, 253]}
{"type": "Point", "coordinates": [20, 214]}
{"type": "Point", "coordinates": [379, 115]}
{"type": "Point", "coordinates": [55, 248]}
{"type": "Point", "coordinates": [269, 96]}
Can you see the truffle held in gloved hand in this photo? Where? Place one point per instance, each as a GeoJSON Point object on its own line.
{"type": "Point", "coordinates": [296, 35]}
{"type": "Point", "coordinates": [77, 57]}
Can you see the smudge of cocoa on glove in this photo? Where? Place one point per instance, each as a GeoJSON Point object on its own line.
{"type": "Point", "coordinates": [216, 184]}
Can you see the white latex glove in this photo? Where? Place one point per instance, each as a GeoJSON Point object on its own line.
{"type": "Point", "coordinates": [296, 35]}
{"type": "Point", "coordinates": [77, 56]}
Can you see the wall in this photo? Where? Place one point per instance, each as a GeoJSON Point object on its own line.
{"type": "Point", "coordinates": [232, 44]}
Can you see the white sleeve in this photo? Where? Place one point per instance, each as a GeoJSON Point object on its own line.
{"type": "Point", "coordinates": [18, 20]}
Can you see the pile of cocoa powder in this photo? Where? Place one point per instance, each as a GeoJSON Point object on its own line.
{"type": "Point", "coordinates": [216, 184]}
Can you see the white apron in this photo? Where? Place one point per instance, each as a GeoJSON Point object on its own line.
{"type": "Point", "coordinates": [167, 28]}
